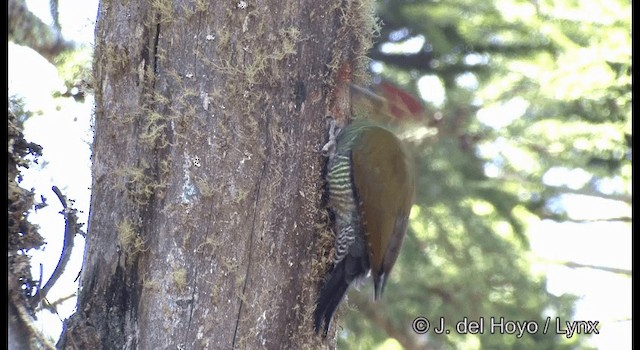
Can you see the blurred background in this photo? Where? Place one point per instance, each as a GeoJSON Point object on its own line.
{"type": "Point", "coordinates": [522, 148]}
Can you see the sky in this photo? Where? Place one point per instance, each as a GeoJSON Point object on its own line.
{"type": "Point", "coordinates": [64, 130]}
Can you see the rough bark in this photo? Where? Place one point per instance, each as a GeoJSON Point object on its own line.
{"type": "Point", "coordinates": [206, 229]}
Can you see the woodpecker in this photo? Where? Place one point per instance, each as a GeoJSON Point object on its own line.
{"type": "Point", "coordinates": [370, 187]}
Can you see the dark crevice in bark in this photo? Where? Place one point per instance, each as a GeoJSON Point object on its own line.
{"type": "Point", "coordinates": [192, 305]}
{"type": "Point", "coordinates": [155, 51]}
{"type": "Point", "coordinates": [253, 227]}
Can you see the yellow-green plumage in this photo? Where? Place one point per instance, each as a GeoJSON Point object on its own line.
{"type": "Point", "coordinates": [371, 186]}
{"type": "Point", "coordinates": [384, 184]}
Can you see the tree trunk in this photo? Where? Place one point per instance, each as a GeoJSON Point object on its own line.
{"type": "Point", "coordinates": [206, 229]}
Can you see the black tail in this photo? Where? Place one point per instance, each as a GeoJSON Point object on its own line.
{"type": "Point", "coordinates": [330, 297]}
{"type": "Point", "coordinates": [354, 265]}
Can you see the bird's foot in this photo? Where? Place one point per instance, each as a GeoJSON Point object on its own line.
{"type": "Point", "coordinates": [329, 148]}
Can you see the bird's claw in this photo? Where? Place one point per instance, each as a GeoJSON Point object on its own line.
{"type": "Point", "coordinates": [329, 147]}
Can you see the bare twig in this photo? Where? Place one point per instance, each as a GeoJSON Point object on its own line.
{"type": "Point", "coordinates": [51, 306]}
{"type": "Point", "coordinates": [575, 265]}
{"type": "Point", "coordinates": [71, 228]}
